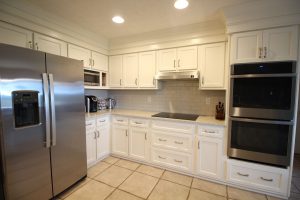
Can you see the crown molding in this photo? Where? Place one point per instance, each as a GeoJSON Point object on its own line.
{"type": "Point", "coordinates": [32, 18]}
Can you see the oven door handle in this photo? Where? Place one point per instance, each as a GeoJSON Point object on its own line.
{"type": "Point", "coordinates": [264, 75]}
{"type": "Point", "coordinates": [262, 121]}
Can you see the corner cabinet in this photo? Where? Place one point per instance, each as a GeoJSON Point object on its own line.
{"type": "Point", "coordinates": [116, 71]}
{"type": "Point", "coordinates": [266, 45]}
{"type": "Point", "coordinates": [210, 158]}
{"type": "Point", "coordinates": [212, 65]}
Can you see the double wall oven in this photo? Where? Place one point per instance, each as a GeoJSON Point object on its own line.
{"type": "Point", "coordinates": [262, 98]}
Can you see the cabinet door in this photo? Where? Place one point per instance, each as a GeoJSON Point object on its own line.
{"type": "Point", "coordinates": [187, 58]}
{"type": "Point", "coordinates": [80, 53]}
{"type": "Point", "coordinates": [115, 71]}
{"type": "Point", "coordinates": [280, 44]}
{"type": "Point", "coordinates": [120, 140]}
{"type": "Point", "coordinates": [16, 36]}
{"type": "Point", "coordinates": [138, 143]}
{"type": "Point", "coordinates": [130, 70]}
{"type": "Point", "coordinates": [166, 60]}
{"type": "Point", "coordinates": [99, 61]}
{"type": "Point", "coordinates": [49, 45]}
{"type": "Point", "coordinates": [246, 47]}
{"type": "Point", "coordinates": [91, 147]}
{"type": "Point", "coordinates": [147, 69]}
{"type": "Point", "coordinates": [212, 65]}
{"type": "Point", "coordinates": [209, 158]}
{"type": "Point", "coordinates": [103, 141]}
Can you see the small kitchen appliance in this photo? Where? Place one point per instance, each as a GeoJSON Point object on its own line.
{"type": "Point", "coordinates": [91, 103]}
{"type": "Point", "coordinates": [110, 103]}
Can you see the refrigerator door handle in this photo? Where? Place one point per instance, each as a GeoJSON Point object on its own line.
{"type": "Point", "coordinates": [52, 106]}
{"type": "Point", "coordinates": [47, 111]}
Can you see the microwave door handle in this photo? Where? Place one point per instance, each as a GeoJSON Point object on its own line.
{"type": "Point", "coordinates": [262, 121]}
{"type": "Point", "coordinates": [53, 114]}
{"type": "Point", "coordinates": [47, 109]}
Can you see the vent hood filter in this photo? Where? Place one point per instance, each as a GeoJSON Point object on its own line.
{"type": "Point", "coordinates": [177, 75]}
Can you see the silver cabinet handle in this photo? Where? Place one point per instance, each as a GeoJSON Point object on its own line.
{"type": "Point", "coordinates": [174, 63]}
{"type": "Point", "coordinates": [145, 136]}
{"type": "Point", "coordinates": [98, 134]}
{"type": "Point", "coordinates": [47, 109]}
{"type": "Point", "coordinates": [153, 81]}
{"type": "Point", "coordinates": [162, 140]}
{"type": "Point", "coordinates": [138, 122]}
{"type": "Point", "coordinates": [53, 113]}
{"type": "Point", "coordinates": [95, 134]}
{"type": "Point", "coordinates": [30, 44]}
{"type": "Point", "coordinates": [206, 131]}
{"type": "Point", "coordinates": [102, 121]}
{"type": "Point", "coordinates": [126, 132]}
{"type": "Point", "coordinates": [178, 142]}
{"type": "Point", "coordinates": [265, 179]}
{"type": "Point", "coordinates": [136, 81]}
{"type": "Point", "coordinates": [260, 52]}
{"type": "Point", "coordinates": [89, 124]}
{"type": "Point", "coordinates": [178, 63]}
{"type": "Point", "coordinates": [265, 52]}
{"type": "Point", "coordinates": [93, 62]}
{"type": "Point", "coordinates": [120, 82]}
{"type": "Point", "coordinates": [240, 174]}
{"type": "Point", "coordinates": [198, 144]}
{"type": "Point", "coordinates": [179, 161]}
{"type": "Point", "coordinates": [36, 46]}
{"type": "Point", "coordinates": [162, 157]}
{"type": "Point", "coordinates": [119, 120]}
{"type": "Point", "coordinates": [202, 80]}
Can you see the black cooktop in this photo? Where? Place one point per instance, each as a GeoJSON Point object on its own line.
{"type": "Point", "coordinates": [176, 116]}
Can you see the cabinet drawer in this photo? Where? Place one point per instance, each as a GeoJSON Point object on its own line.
{"type": "Point", "coordinates": [211, 131]}
{"type": "Point", "coordinates": [173, 126]}
{"type": "Point", "coordinates": [120, 120]}
{"type": "Point", "coordinates": [102, 121]}
{"type": "Point", "coordinates": [258, 176]}
{"type": "Point", "coordinates": [90, 125]}
{"type": "Point", "coordinates": [139, 122]}
{"type": "Point", "coordinates": [173, 141]}
{"type": "Point", "coordinates": [171, 159]}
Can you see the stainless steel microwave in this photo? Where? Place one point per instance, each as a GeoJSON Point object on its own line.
{"type": "Point", "coordinates": [91, 78]}
{"type": "Point", "coordinates": [263, 90]}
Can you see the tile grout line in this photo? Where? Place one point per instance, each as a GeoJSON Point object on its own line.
{"type": "Point", "coordinates": [156, 184]}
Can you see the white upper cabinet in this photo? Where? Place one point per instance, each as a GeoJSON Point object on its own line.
{"type": "Point", "coordinates": [267, 45]}
{"type": "Point", "coordinates": [184, 58]}
{"type": "Point", "coordinates": [246, 47]}
{"type": "Point", "coordinates": [212, 65]}
{"type": "Point", "coordinates": [147, 69]}
{"type": "Point", "coordinates": [116, 71]}
{"type": "Point", "coordinates": [187, 58]}
{"type": "Point", "coordinates": [80, 53]}
{"type": "Point", "coordinates": [166, 60]}
{"type": "Point", "coordinates": [49, 45]}
{"type": "Point", "coordinates": [130, 70]}
{"type": "Point", "coordinates": [16, 36]}
{"type": "Point", "coordinates": [99, 61]}
{"type": "Point", "coordinates": [280, 44]}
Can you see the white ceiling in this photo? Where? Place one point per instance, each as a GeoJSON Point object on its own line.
{"type": "Point", "coordinates": [140, 15]}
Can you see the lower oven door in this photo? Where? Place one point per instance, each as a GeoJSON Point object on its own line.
{"type": "Point", "coordinates": [264, 141]}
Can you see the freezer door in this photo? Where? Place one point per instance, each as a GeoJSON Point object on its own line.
{"type": "Point", "coordinates": [25, 158]}
{"type": "Point", "coordinates": [68, 151]}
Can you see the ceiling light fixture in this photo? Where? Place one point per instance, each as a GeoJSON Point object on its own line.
{"type": "Point", "coordinates": [118, 19]}
{"type": "Point", "coordinates": [181, 4]}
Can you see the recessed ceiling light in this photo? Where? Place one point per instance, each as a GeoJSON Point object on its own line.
{"type": "Point", "coordinates": [181, 4]}
{"type": "Point", "coordinates": [118, 19]}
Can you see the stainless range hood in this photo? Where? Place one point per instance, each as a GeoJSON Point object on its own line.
{"type": "Point", "coordinates": [177, 75]}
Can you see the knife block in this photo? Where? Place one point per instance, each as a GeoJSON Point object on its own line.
{"type": "Point", "coordinates": [220, 114]}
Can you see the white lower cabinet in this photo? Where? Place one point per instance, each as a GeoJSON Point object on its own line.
{"type": "Point", "coordinates": [210, 162]}
{"type": "Point", "coordinates": [97, 139]}
{"type": "Point", "coordinates": [138, 143]}
{"type": "Point", "coordinates": [258, 176]}
{"type": "Point", "coordinates": [120, 140]}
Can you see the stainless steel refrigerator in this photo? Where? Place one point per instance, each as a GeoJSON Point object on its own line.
{"type": "Point", "coordinates": [42, 123]}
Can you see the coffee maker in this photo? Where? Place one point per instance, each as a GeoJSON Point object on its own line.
{"type": "Point", "coordinates": [91, 103]}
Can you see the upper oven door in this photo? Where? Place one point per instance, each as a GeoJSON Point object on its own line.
{"type": "Point", "coordinates": [267, 93]}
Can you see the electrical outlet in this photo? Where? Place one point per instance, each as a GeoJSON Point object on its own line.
{"type": "Point", "coordinates": [207, 100]}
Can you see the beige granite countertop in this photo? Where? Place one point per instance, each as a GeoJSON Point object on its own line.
{"type": "Point", "coordinates": [210, 120]}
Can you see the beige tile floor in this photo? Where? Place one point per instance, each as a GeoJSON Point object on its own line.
{"type": "Point", "coordinates": [117, 179]}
